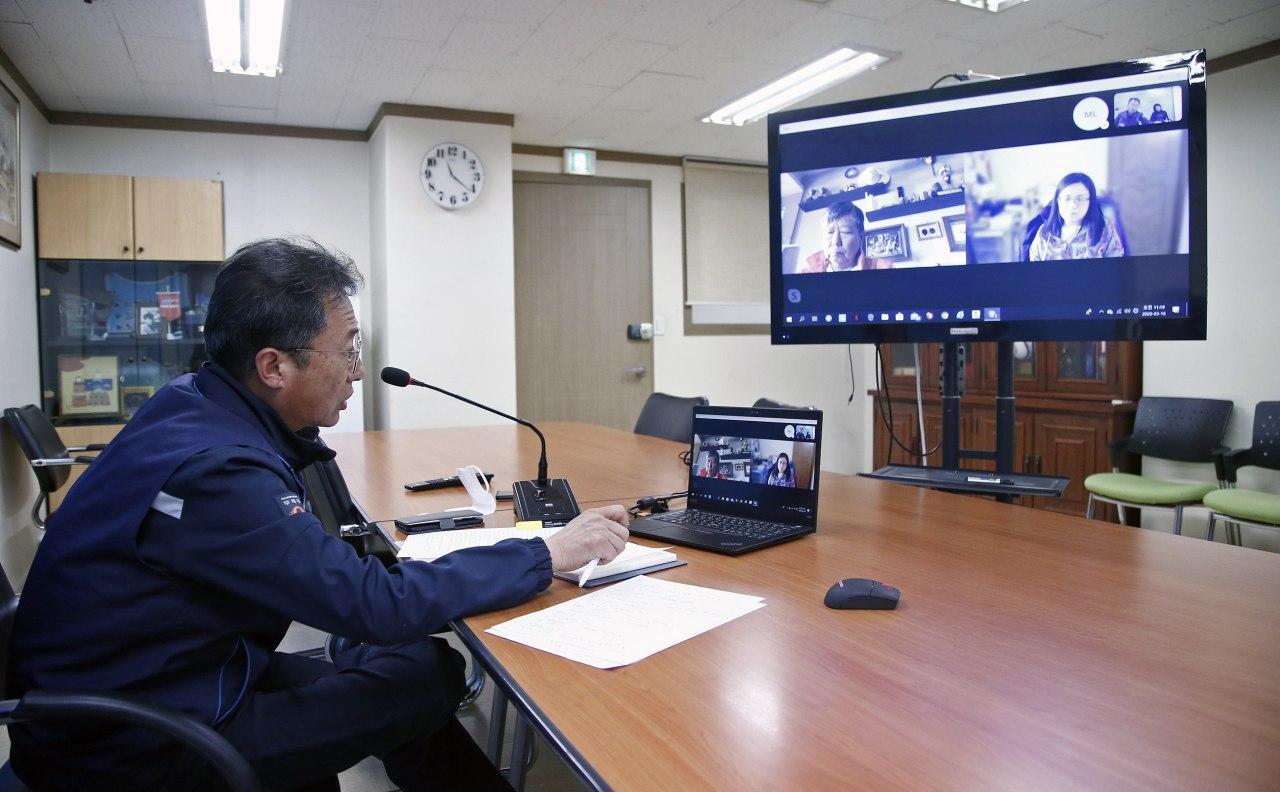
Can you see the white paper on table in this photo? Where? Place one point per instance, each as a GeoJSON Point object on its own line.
{"type": "Point", "coordinates": [430, 546]}
{"type": "Point", "coordinates": [627, 621]}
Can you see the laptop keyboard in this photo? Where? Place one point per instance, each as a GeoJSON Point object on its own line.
{"type": "Point", "coordinates": [723, 524]}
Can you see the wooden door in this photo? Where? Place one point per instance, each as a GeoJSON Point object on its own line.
{"type": "Point", "coordinates": [178, 219]}
{"type": "Point", "coordinates": [84, 216]}
{"type": "Point", "coordinates": [1074, 446]}
{"type": "Point", "coordinates": [583, 272]}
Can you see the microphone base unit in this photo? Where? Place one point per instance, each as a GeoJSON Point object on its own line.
{"type": "Point", "coordinates": [553, 504]}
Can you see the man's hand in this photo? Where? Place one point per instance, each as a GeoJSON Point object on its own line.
{"type": "Point", "coordinates": [596, 533]}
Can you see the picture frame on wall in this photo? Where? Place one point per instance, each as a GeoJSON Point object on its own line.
{"type": "Point", "coordinates": [10, 168]}
{"type": "Point", "coordinates": [887, 244]}
{"type": "Point", "coordinates": [88, 385]}
{"type": "Point", "coordinates": [148, 321]}
{"type": "Point", "coordinates": [956, 231]}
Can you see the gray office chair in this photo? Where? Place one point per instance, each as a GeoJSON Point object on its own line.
{"type": "Point", "coordinates": [1184, 430]}
{"type": "Point", "coordinates": [48, 705]}
{"type": "Point", "coordinates": [50, 460]}
{"type": "Point", "coordinates": [669, 417]}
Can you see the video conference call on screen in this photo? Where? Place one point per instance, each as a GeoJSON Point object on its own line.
{"type": "Point", "coordinates": [1047, 201]}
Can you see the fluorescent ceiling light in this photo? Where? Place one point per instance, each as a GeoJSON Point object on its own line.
{"type": "Point", "coordinates": [994, 6]}
{"type": "Point", "coordinates": [245, 35]}
{"type": "Point", "coordinates": [799, 84]}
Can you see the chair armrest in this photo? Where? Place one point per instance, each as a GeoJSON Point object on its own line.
{"type": "Point", "coordinates": [56, 461]}
{"type": "Point", "coordinates": [230, 765]}
{"type": "Point", "coordinates": [1227, 462]}
{"type": "Point", "coordinates": [90, 447]}
{"type": "Point", "coordinates": [1120, 451]}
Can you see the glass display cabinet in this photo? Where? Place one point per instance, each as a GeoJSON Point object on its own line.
{"type": "Point", "coordinates": [112, 333]}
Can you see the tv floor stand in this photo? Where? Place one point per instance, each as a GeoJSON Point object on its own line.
{"type": "Point", "coordinates": [1004, 484]}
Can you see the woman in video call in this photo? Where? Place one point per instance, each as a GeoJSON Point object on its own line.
{"type": "Point", "coordinates": [844, 231]}
{"type": "Point", "coordinates": [782, 474]}
{"type": "Point", "coordinates": [1076, 227]}
{"type": "Point", "coordinates": [712, 468]}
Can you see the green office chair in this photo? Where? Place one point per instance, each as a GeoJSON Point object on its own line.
{"type": "Point", "coordinates": [1237, 507]}
{"type": "Point", "coordinates": [1184, 430]}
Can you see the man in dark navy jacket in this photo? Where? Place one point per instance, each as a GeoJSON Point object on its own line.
{"type": "Point", "coordinates": [179, 558]}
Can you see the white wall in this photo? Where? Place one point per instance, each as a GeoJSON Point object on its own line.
{"type": "Point", "coordinates": [736, 370]}
{"type": "Point", "coordinates": [19, 362]}
{"type": "Point", "coordinates": [272, 186]}
{"type": "Point", "coordinates": [1239, 360]}
{"type": "Point", "coordinates": [444, 279]}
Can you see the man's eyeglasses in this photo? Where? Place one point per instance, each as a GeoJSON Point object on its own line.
{"type": "Point", "coordinates": [353, 354]}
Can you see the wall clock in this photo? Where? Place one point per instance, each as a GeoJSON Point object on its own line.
{"type": "Point", "coordinates": [452, 175]}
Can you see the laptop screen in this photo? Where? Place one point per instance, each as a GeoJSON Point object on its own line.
{"type": "Point", "coordinates": [756, 463]}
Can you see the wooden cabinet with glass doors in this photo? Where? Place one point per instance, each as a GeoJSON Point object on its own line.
{"type": "Point", "coordinates": [1073, 399]}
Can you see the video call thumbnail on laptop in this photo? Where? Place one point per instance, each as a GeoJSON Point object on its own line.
{"type": "Point", "coordinates": [753, 480]}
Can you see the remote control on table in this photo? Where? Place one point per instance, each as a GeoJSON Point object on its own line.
{"type": "Point", "coordinates": [438, 483]}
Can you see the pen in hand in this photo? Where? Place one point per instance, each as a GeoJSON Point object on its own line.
{"type": "Point", "coordinates": [586, 572]}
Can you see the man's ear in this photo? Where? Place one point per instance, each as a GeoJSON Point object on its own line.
{"type": "Point", "coordinates": [269, 363]}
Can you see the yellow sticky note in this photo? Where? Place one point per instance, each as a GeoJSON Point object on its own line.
{"type": "Point", "coordinates": [529, 525]}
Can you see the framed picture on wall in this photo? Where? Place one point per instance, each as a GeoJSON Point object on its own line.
{"type": "Point", "coordinates": [956, 235]}
{"type": "Point", "coordinates": [888, 244]}
{"type": "Point", "coordinates": [10, 169]}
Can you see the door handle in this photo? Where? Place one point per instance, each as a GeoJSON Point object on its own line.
{"type": "Point", "coordinates": [638, 371]}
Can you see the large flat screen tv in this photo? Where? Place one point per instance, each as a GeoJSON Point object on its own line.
{"type": "Point", "coordinates": [1060, 206]}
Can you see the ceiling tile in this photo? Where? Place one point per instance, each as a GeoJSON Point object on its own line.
{"type": "Point", "coordinates": [647, 91]}
{"type": "Point", "coordinates": [527, 14]}
{"type": "Point", "coordinates": [10, 11]}
{"type": "Point", "coordinates": [239, 90]}
{"type": "Point", "coordinates": [768, 16]}
{"type": "Point", "coordinates": [575, 29]}
{"type": "Point", "coordinates": [537, 128]}
{"type": "Point", "coordinates": [303, 110]}
{"type": "Point", "coordinates": [872, 9]}
{"type": "Point", "coordinates": [591, 128]}
{"type": "Point", "coordinates": [181, 101]}
{"type": "Point", "coordinates": [169, 60]}
{"type": "Point", "coordinates": [160, 18]}
{"type": "Point", "coordinates": [618, 60]}
{"type": "Point", "coordinates": [316, 75]}
{"type": "Point", "coordinates": [327, 27]}
{"type": "Point", "coordinates": [480, 44]}
{"type": "Point", "coordinates": [413, 19]}
{"type": "Point", "coordinates": [673, 22]}
{"type": "Point", "coordinates": [450, 88]}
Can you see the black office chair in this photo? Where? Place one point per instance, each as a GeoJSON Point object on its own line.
{"type": "Point", "coordinates": [1184, 430]}
{"type": "Point", "coordinates": [330, 501]}
{"type": "Point", "coordinates": [669, 417]}
{"type": "Point", "coordinates": [1237, 507]}
{"type": "Point", "coordinates": [50, 460]}
{"type": "Point", "coordinates": [765, 402]}
{"type": "Point", "coordinates": [48, 705]}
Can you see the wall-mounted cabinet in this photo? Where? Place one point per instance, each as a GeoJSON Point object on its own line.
{"type": "Point", "coordinates": [124, 273]}
{"type": "Point", "coordinates": [88, 216]}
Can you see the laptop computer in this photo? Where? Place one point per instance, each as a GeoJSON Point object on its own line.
{"type": "Point", "coordinates": [753, 481]}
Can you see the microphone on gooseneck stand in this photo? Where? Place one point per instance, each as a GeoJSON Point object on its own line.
{"type": "Point", "coordinates": [548, 500]}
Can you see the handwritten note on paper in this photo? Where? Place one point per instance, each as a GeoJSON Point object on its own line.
{"type": "Point", "coordinates": [626, 622]}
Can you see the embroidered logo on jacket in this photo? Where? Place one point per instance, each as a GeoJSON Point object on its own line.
{"type": "Point", "coordinates": [290, 504]}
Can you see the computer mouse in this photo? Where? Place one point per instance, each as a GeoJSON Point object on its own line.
{"type": "Point", "coordinates": [862, 594]}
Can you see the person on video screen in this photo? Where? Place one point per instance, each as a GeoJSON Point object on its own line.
{"type": "Point", "coordinates": [1132, 115]}
{"type": "Point", "coordinates": [712, 468]}
{"type": "Point", "coordinates": [1076, 227]}
{"type": "Point", "coordinates": [843, 252]}
{"type": "Point", "coordinates": [1158, 115]}
{"type": "Point", "coordinates": [782, 474]}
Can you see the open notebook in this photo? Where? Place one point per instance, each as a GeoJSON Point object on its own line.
{"type": "Point", "coordinates": [633, 560]}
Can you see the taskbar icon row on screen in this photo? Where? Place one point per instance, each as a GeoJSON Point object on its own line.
{"type": "Point", "coordinates": [879, 317]}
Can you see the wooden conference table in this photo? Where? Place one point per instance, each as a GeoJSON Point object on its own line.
{"type": "Point", "coordinates": [1030, 650]}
